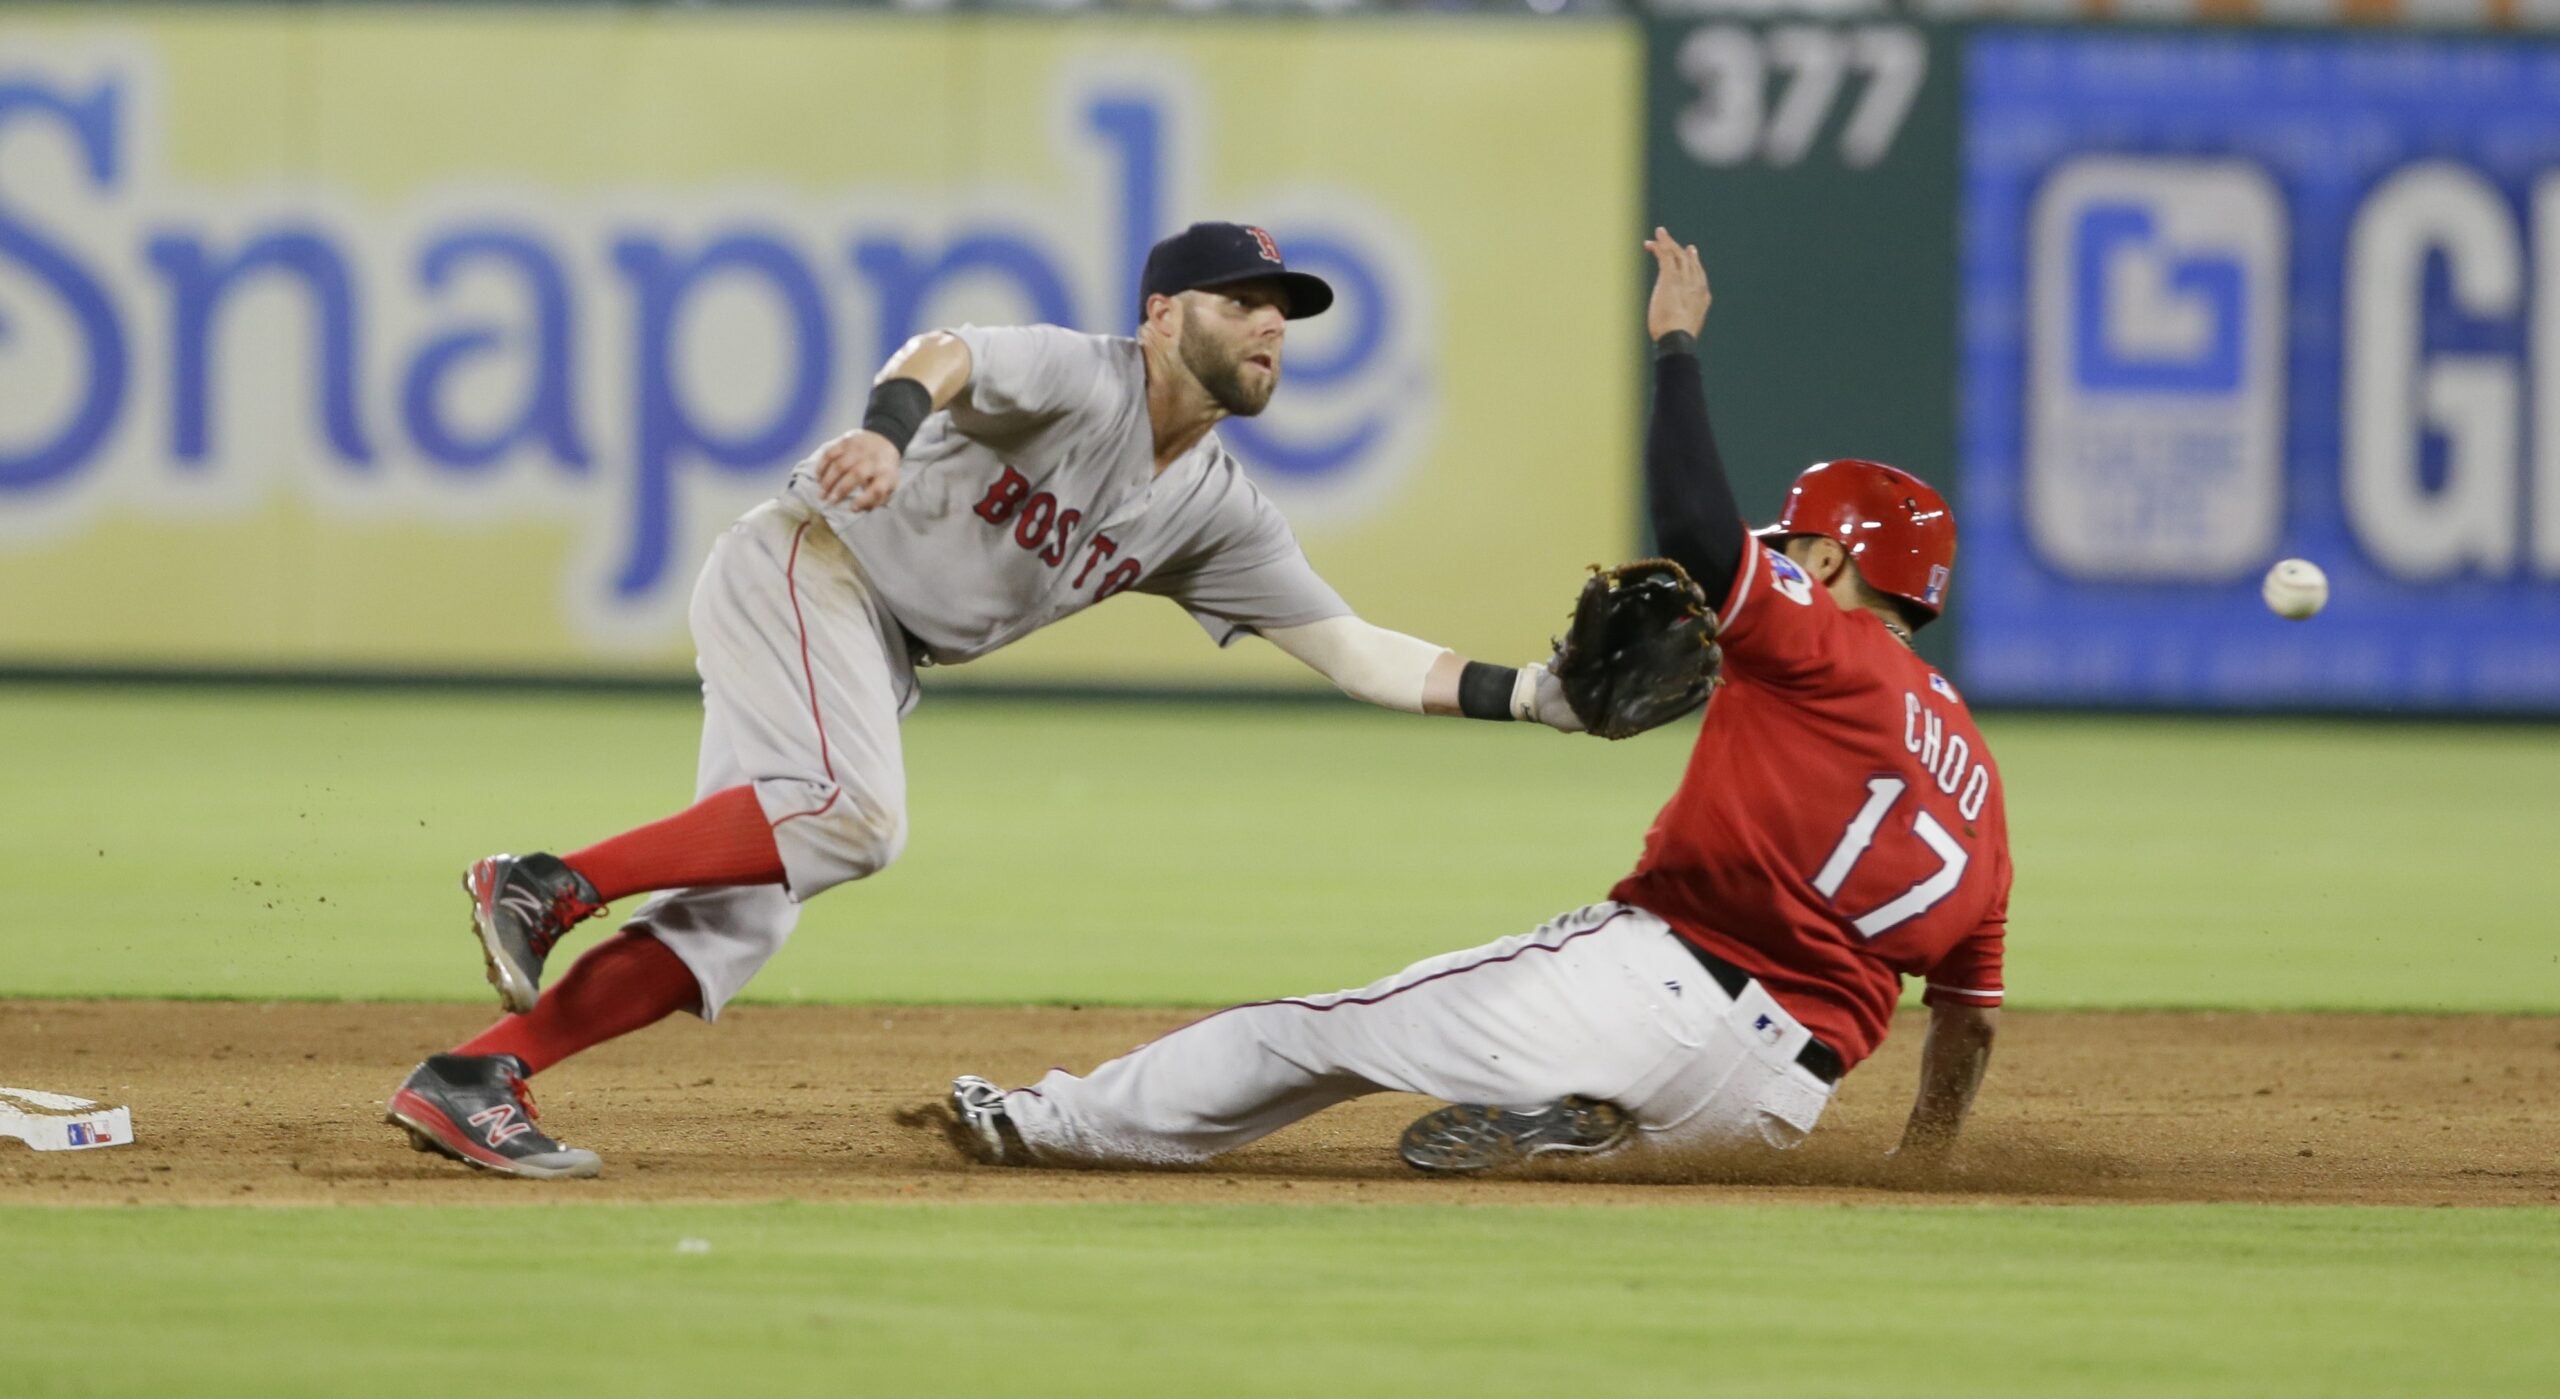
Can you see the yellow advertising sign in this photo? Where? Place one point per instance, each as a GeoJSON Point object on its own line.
{"type": "Point", "coordinates": [446, 340]}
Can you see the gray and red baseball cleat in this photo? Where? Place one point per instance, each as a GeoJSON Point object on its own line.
{"type": "Point", "coordinates": [1468, 1137]}
{"type": "Point", "coordinates": [979, 1128]}
{"type": "Point", "coordinates": [476, 1109]}
{"type": "Point", "coordinates": [520, 905]}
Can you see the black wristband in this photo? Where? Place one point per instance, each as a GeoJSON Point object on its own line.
{"type": "Point", "coordinates": [1677, 342]}
{"type": "Point", "coordinates": [898, 407]}
{"type": "Point", "coordinates": [1484, 691]}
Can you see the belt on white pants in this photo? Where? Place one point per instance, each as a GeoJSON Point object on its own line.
{"type": "Point", "coordinates": [1816, 1058]}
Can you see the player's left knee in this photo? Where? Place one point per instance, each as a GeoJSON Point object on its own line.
{"type": "Point", "coordinates": [877, 831]}
{"type": "Point", "coordinates": [855, 837]}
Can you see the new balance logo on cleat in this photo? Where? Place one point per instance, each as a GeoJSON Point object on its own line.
{"type": "Point", "coordinates": [524, 904]}
{"type": "Point", "coordinates": [520, 907]}
{"type": "Point", "coordinates": [476, 1109]}
{"type": "Point", "coordinates": [499, 1124]}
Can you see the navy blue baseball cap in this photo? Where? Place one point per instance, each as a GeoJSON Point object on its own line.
{"type": "Point", "coordinates": [1220, 254]}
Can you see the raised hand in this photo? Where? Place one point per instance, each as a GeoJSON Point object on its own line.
{"type": "Point", "coordinates": [1680, 294]}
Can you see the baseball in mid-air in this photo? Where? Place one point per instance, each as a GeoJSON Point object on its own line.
{"type": "Point", "coordinates": [2295, 588]}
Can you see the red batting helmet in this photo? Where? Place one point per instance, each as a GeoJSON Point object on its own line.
{"type": "Point", "coordinates": [1897, 528]}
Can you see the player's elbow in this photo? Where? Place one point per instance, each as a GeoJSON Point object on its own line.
{"type": "Point", "coordinates": [937, 359]}
{"type": "Point", "coordinates": [1681, 540]}
{"type": "Point", "coordinates": [922, 343]}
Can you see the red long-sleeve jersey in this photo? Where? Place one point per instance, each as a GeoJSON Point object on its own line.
{"type": "Point", "coordinates": [1840, 825]}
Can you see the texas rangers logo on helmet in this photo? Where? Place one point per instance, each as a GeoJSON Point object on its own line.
{"type": "Point", "coordinates": [1790, 580]}
{"type": "Point", "coordinates": [1262, 240]}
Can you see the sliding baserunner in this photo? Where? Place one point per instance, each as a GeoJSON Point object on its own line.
{"type": "Point", "coordinates": [1840, 826]}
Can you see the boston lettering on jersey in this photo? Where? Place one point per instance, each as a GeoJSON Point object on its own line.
{"type": "Point", "coordinates": [1044, 529]}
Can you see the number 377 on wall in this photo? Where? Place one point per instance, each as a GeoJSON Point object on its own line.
{"type": "Point", "coordinates": [1766, 96]}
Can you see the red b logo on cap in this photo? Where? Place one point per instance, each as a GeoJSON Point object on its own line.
{"type": "Point", "coordinates": [1262, 240]}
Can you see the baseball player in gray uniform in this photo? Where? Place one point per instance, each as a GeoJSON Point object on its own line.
{"type": "Point", "coordinates": [1002, 479]}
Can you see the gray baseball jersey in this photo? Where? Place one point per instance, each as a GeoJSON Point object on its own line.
{"type": "Point", "coordinates": [1035, 495]}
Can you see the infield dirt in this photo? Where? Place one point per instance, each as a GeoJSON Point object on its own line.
{"type": "Point", "coordinates": [282, 1104]}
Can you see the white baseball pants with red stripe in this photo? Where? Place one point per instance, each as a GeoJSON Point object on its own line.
{"type": "Point", "coordinates": [1604, 1002]}
{"type": "Point", "coordinates": [804, 680]}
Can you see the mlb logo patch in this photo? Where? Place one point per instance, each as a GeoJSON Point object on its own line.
{"type": "Point", "coordinates": [1937, 588]}
{"type": "Point", "coordinates": [1767, 1029]}
{"type": "Point", "coordinates": [1939, 683]}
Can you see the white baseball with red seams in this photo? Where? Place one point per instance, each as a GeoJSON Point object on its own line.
{"type": "Point", "coordinates": [2295, 589]}
{"type": "Point", "coordinates": [1603, 1002]}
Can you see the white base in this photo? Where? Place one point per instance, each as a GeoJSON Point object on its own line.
{"type": "Point", "coordinates": [58, 1122]}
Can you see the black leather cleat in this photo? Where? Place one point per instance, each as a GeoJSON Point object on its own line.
{"type": "Point", "coordinates": [476, 1109]}
{"type": "Point", "coordinates": [520, 906]}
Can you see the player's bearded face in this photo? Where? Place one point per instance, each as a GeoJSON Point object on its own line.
{"type": "Point", "coordinates": [1229, 350]}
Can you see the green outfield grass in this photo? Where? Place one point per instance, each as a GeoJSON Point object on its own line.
{"type": "Point", "coordinates": [278, 843]}
{"type": "Point", "coordinates": [1109, 1300]}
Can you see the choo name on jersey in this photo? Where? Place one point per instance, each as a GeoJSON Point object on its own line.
{"type": "Point", "coordinates": [1946, 756]}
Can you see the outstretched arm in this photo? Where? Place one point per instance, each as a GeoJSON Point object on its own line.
{"type": "Point", "coordinates": [1395, 671]}
{"type": "Point", "coordinates": [1696, 522]}
{"type": "Point", "coordinates": [1951, 1066]}
{"type": "Point", "coordinates": [919, 380]}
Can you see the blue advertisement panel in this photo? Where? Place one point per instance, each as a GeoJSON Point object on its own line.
{"type": "Point", "coordinates": [2233, 299]}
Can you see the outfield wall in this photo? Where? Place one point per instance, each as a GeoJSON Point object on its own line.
{"type": "Point", "coordinates": [435, 340]}
{"type": "Point", "coordinates": [2162, 307]}
{"type": "Point", "coordinates": [376, 339]}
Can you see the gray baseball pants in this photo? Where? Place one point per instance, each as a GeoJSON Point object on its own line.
{"type": "Point", "coordinates": [804, 679]}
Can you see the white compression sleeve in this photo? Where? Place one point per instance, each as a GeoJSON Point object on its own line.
{"type": "Point", "coordinates": [1368, 663]}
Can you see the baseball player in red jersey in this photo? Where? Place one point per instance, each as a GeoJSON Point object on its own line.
{"type": "Point", "coordinates": [1840, 826]}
